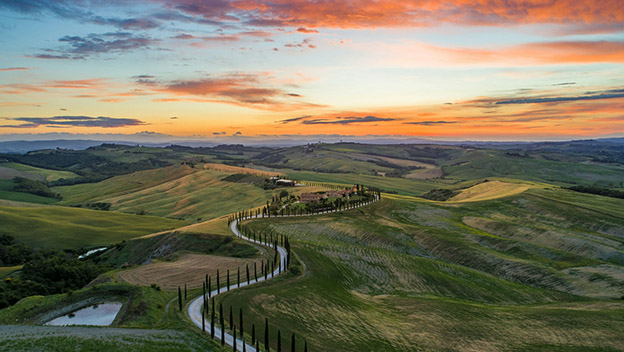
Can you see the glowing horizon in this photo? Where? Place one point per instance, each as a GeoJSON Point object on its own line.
{"type": "Point", "coordinates": [463, 69]}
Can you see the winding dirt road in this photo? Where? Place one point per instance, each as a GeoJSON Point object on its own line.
{"type": "Point", "coordinates": [194, 310]}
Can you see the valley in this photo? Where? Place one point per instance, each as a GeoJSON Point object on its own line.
{"type": "Point", "coordinates": [500, 259]}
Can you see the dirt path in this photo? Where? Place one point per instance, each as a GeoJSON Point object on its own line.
{"type": "Point", "coordinates": [194, 310]}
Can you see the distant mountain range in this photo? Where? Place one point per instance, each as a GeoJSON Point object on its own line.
{"type": "Point", "coordinates": [158, 140]}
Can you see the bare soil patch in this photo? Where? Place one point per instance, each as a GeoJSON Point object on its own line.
{"type": "Point", "coordinates": [189, 269]}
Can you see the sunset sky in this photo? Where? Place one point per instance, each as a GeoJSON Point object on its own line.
{"type": "Point", "coordinates": [465, 69]}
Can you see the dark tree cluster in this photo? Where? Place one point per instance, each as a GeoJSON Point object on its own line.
{"type": "Point", "coordinates": [39, 188]}
{"type": "Point", "coordinates": [44, 272]}
{"type": "Point", "coordinates": [599, 191]}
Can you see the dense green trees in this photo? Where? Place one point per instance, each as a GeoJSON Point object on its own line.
{"type": "Point", "coordinates": [599, 191]}
{"type": "Point", "coordinates": [34, 187]}
{"type": "Point", "coordinates": [45, 272]}
{"type": "Point", "coordinates": [12, 253]}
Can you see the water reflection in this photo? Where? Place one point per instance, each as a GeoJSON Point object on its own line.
{"type": "Point", "coordinates": [100, 314]}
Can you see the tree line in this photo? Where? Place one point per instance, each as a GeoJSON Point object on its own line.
{"type": "Point", "coordinates": [36, 187]}
{"type": "Point", "coordinates": [273, 240]}
{"type": "Point", "coordinates": [607, 192]}
{"type": "Point", "coordinates": [44, 271]}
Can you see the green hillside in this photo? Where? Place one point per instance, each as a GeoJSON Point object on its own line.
{"type": "Point", "coordinates": [39, 173]}
{"type": "Point", "coordinates": [531, 271]}
{"type": "Point", "coordinates": [7, 193]}
{"type": "Point", "coordinates": [66, 227]}
{"type": "Point", "coordinates": [175, 192]}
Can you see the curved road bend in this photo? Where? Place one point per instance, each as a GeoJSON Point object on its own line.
{"type": "Point", "coordinates": [195, 307]}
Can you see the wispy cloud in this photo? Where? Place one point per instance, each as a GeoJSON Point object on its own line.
{"type": "Point", "coordinates": [72, 121]}
{"type": "Point", "coordinates": [78, 47]}
{"type": "Point", "coordinates": [242, 89]}
{"type": "Point", "coordinates": [17, 69]}
{"type": "Point", "coordinates": [547, 97]}
{"type": "Point", "coordinates": [428, 123]}
{"type": "Point", "coordinates": [338, 120]}
{"type": "Point", "coordinates": [295, 119]}
{"type": "Point", "coordinates": [78, 11]}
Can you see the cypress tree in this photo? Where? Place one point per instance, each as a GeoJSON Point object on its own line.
{"type": "Point", "coordinates": [222, 323]}
{"type": "Point", "coordinates": [292, 343]}
{"type": "Point", "coordinates": [203, 321]}
{"type": "Point", "coordinates": [279, 341]}
{"type": "Point", "coordinates": [255, 271]}
{"type": "Point", "coordinates": [212, 321]}
{"type": "Point", "coordinates": [204, 294]}
{"type": "Point", "coordinates": [228, 279]}
{"type": "Point", "coordinates": [209, 287]}
{"type": "Point", "coordinates": [253, 333]}
{"type": "Point", "coordinates": [257, 345]}
{"type": "Point", "coordinates": [218, 288]}
{"type": "Point", "coordinates": [266, 334]}
{"type": "Point", "coordinates": [247, 271]}
{"type": "Point", "coordinates": [180, 298]}
{"type": "Point", "coordinates": [240, 322]}
{"type": "Point", "coordinates": [305, 346]}
{"type": "Point", "coordinates": [231, 319]}
{"type": "Point", "coordinates": [238, 276]}
{"type": "Point", "coordinates": [234, 339]}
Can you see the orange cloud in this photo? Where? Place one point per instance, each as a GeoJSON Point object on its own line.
{"type": "Point", "coordinates": [406, 13]}
{"type": "Point", "coordinates": [246, 90]}
{"type": "Point", "coordinates": [560, 112]}
{"type": "Point", "coordinates": [411, 54]}
{"type": "Point", "coordinates": [17, 69]}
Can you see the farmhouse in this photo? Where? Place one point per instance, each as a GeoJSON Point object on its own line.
{"type": "Point", "coordinates": [285, 182]}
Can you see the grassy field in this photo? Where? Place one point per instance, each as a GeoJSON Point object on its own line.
{"type": "Point", "coordinates": [6, 270]}
{"type": "Point", "coordinates": [65, 227]}
{"type": "Point", "coordinates": [54, 338]}
{"type": "Point", "coordinates": [404, 275]}
{"type": "Point", "coordinates": [175, 192]}
{"type": "Point", "coordinates": [478, 164]}
{"type": "Point", "coordinates": [399, 185]}
{"type": "Point", "coordinates": [7, 193]}
{"type": "Point", "coordinates": [144, 309]}
{"type": "Point", "coordinates": [490, 190]}
{"type": "Point", "coordinates": [39, 173]}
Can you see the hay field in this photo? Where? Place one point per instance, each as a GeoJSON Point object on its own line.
{"type": "Point", "coordinates": [189, 268]}
{"type": "Point", "coordinates": [489, 190]}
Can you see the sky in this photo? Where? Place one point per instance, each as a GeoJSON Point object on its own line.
{"type": "Point", "coordinates": [463, 69]}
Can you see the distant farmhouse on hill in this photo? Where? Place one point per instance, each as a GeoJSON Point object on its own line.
{"type": "Point", "coordinates": [283, 182]}
{"type": "Point", "coordinates": [317, 197]}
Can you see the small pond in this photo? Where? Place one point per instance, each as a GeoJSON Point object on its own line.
{"type": "Point", "coordinates": [101, 314]}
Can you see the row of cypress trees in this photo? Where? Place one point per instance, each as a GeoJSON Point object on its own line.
{"type": "Point", "coordinates": [272, 240]}
{"type": "Point", "coordinates": [239, 335]}
{"type": "Point", "coordinates": [366, 192]}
